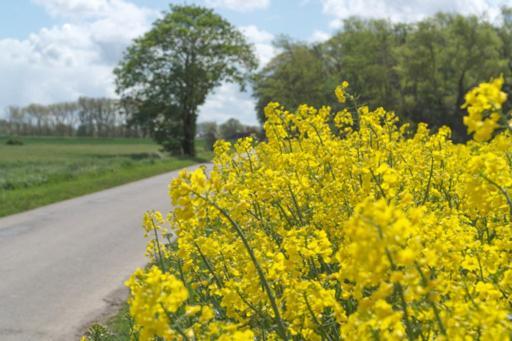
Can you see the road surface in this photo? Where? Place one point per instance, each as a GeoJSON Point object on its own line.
{"type": "Point", "coordinates": [62, 266]}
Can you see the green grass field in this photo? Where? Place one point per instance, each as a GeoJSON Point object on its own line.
{"type": "Point", "coordinates": [46, 170]}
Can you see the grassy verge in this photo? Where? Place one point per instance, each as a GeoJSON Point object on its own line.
{"type": "Point", "coordinates": [48, 170]}
{"type": "Point", "coordinates": [28, 198]}
{"type": "Point", "coordinates": [117, 328]}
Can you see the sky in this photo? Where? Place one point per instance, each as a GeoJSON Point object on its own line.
{"type": "Point", "coordinates": [58, 50]}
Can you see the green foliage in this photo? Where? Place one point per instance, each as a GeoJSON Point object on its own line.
{"type": "Point", "coordinates": [14, 141]}
{"type": "Point", "coordinates": [297, 75]}
{"type": "Point", "coordinates": [97, 332]}
{"type": "Point", "coordinates": [363, 54]}
{"type": "Point", "coordinates": [420, 70]}
{"type": "Point", "coordinates": [209, 132]}
{"type": "Point", "coordinates": [117, 328]}
{"type": "Point", "coordinates": [231, 128]}
{"type": "Point", "coordinates": [166, 74]}
{"type": "Point", "coordinates": [444, 57]}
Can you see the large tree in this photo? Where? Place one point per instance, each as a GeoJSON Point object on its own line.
{"type": "Point", "coordinates": [420, 70]}
{"type": "Point", "coordinates": [167, 73]}
{"type": "Point", "coordinates": [443, 57]}
{"type": "Point", "coordinates": [363, 54]}
{"type": "Point", "coordinates": [297, 75]}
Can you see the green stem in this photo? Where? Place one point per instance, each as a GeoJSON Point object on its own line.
{"type": "Point", "coordinates": [503, 191]}
{"type": "Point", "coordinates": [427, 189]}
{"type": "Point", "coordinates": [209, 267]}
{"type": "Point", "coordinates": [280, 324]}
{"type": "Point", "coordinates": [161, 258]}
{"type": "Point", "coordinates": [432, 304]}
{"type": "Point", "coordinates": [296, 204]}
{"type": "Point", "coordinates": [312, 313]}
{"type": "Point", "coordinates": [378, 184]}
{"type": "Point", "coordinates": [408, 328]}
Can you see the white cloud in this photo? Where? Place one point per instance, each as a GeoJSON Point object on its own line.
{"type": "Point", "coordinates": [256, 35]}
{"type": "Point", "coordinates": [406, 10]}
{"type": "Point", "coordinates": [74, 59]}
{"type": "Point", "coordinates": [239, 5]}
{"type": "Point", "coordinates": [228, 102]}
{"type": "Point", "coordinates": [74, 7]}
{"type": "Point", "coordinates": [319, 36]}
{"type": "Point", "coordinates": [262, 41]}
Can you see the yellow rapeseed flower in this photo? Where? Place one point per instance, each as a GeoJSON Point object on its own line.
{"type": "Point", "coordinates": [341, 225]}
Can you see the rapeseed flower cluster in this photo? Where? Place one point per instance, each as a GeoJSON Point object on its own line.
{"type": "Point", "coordinates": [345, 224]}
{"type": "Point", "coordinates": [484, 104]}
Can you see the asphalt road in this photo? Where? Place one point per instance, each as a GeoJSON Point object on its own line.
{"type": "Point", "coordinates": [63, 266]}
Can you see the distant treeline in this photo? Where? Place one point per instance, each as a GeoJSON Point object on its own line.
{"type": "Point", "coordinates": [231, 129]}
{"type": "Point", "coordinates": [95, 117]}
{"type": "Point", "coordinates": [420, 70]}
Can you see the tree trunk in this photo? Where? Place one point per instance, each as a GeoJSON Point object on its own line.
{"type": "Point", "coordinates": [459, 129]}
{"type": "Point", "coordinates": [189, 134]}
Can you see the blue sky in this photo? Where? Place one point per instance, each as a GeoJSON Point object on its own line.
{"type": "Point", "coordinates": [299, 19]}
{"type": "Point", "coordinates": [58, 50]}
